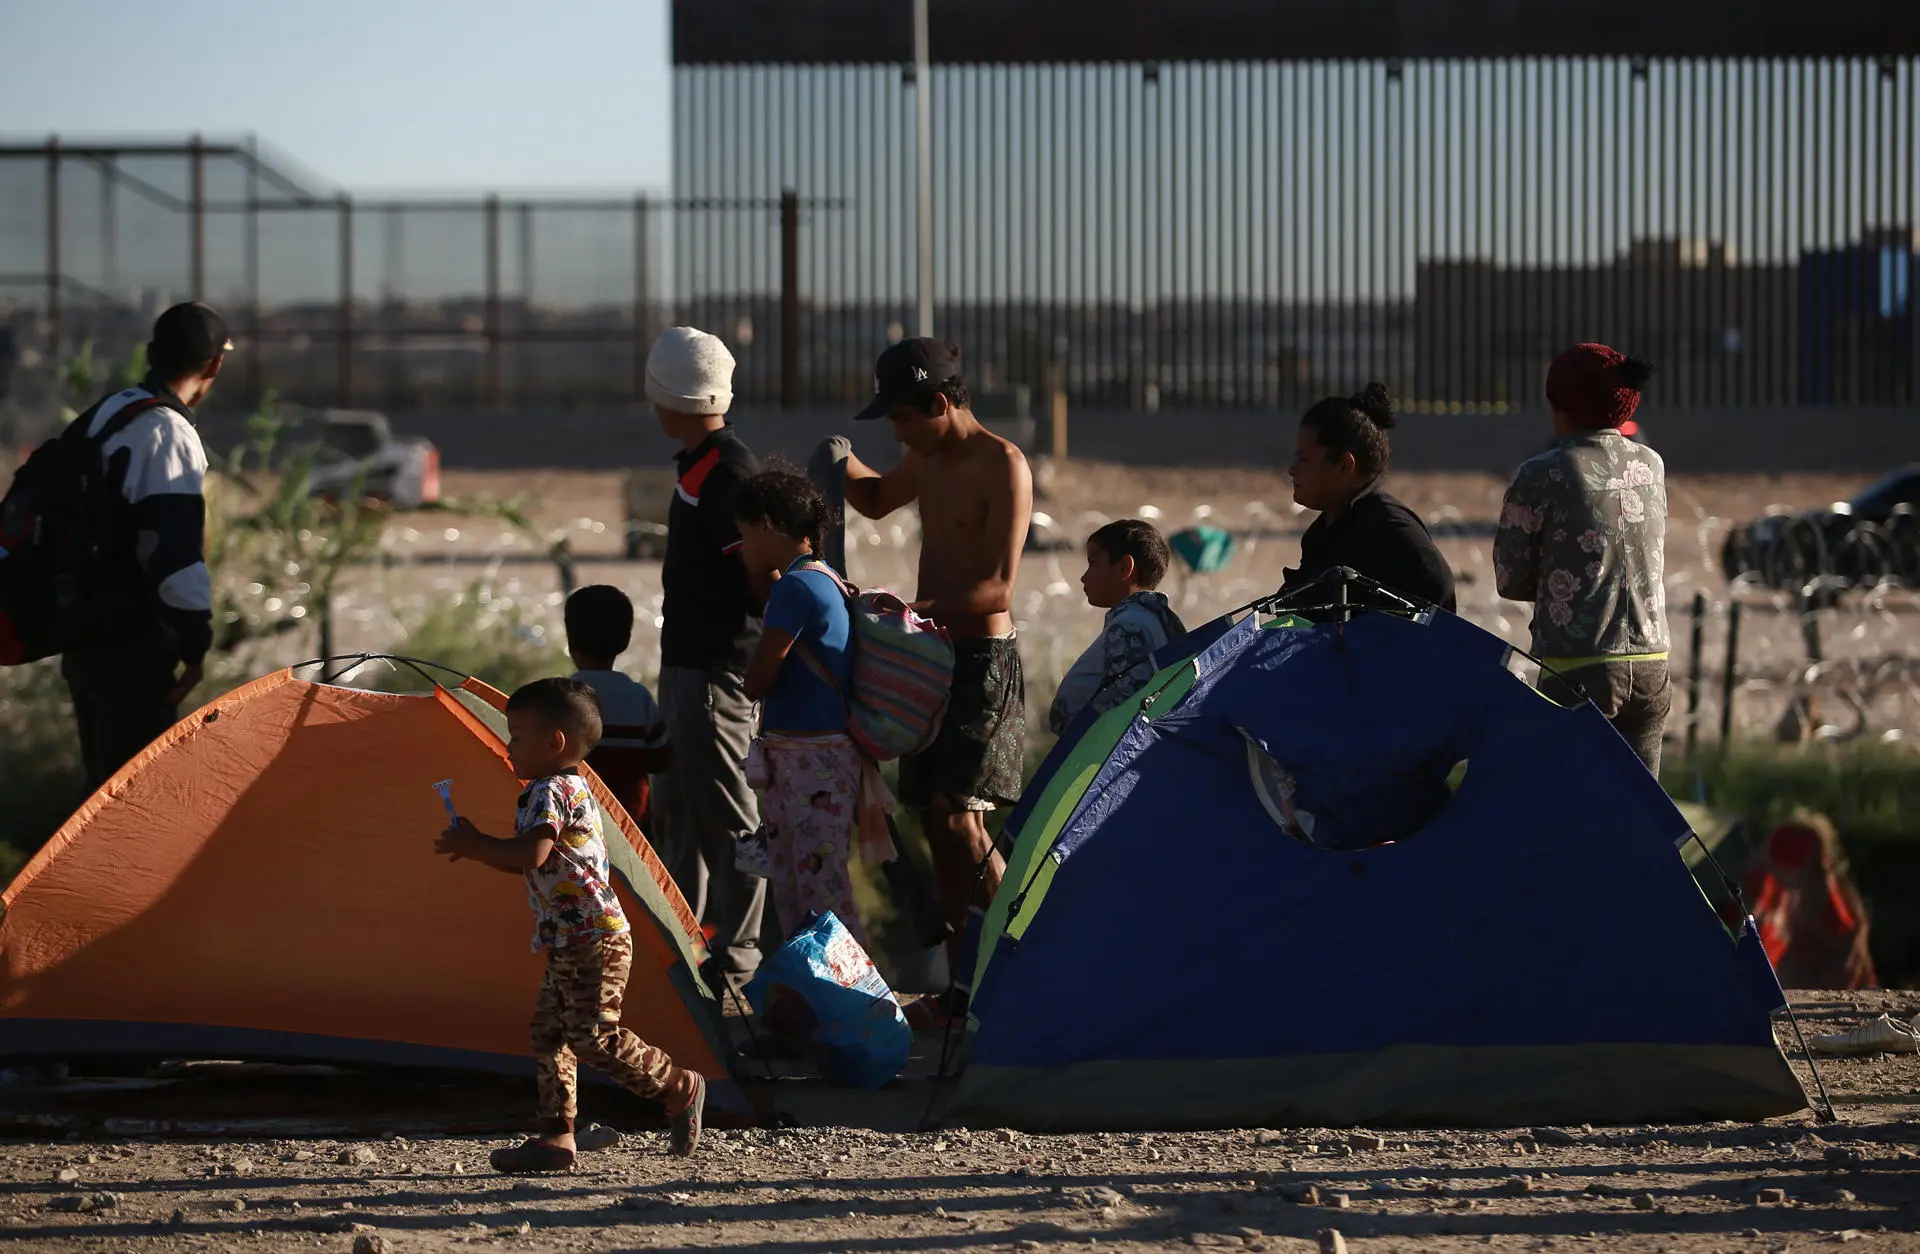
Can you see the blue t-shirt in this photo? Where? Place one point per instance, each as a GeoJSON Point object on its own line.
{"type": "Point", "coordinates": [809, 606]}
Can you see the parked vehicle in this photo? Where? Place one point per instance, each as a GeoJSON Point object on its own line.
{"type": "Point", "coordinates": [355, 451]}
{"type": "Point", "coordinates": [1870, 539]}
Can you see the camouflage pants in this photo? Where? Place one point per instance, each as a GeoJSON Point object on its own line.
{"type": "Point", "coordinates": [577, 1020]}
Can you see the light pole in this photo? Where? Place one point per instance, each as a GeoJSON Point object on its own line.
{"type": "Point", "coordinates": [923, 167]}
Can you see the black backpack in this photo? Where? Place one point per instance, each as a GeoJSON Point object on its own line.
{"type": "Point", "coordinates": [67, 566]}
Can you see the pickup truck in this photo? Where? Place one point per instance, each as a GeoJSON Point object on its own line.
{"type": "Point", "coordinates": [356, 449]}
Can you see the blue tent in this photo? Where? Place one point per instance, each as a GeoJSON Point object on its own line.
{"type": "Point", "coordinates": [1358, 873]}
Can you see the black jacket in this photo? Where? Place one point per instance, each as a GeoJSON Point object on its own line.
{"type": "Point", "coordinates": [708, 615]}
{"type": "Point", "coordinates": [1383, 540]}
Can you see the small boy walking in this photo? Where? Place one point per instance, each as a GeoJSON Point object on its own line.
{"type": "Point", "coordinates": [1126, 561]}
{"type": "Point", "coordinates": [633, 735]}
{"type": "Point", "coordinates": [558, 846]}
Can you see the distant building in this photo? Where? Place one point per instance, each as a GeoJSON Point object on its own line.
{"type": "Point", "coordinates": [1857, 329]}
{"type": "Point", "coordinates": [1718, 331]}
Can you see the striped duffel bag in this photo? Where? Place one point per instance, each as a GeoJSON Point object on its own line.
{"type": "Point", "coordinates": [902, 673]}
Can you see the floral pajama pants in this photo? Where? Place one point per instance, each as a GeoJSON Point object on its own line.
{"type": "Point", "coordinates": [812, 813]}
{"type": "Point", "coordinates": [577, 1019]}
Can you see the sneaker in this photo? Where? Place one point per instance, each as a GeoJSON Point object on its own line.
{"type": "Point", "coordinates": [688, 1123]}
{"type": "Point", "coordinates": [596, 1136]}
{"type": "Point", "coordinates": [1882, 1036]}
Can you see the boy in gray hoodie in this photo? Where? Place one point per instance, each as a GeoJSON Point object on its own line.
{"type": "Point", "coordinates": [1126, 561]}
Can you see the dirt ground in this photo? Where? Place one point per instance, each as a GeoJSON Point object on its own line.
{"type": "Point", "coordinates": [1865, 637]}
{"type": "Point", "coordinates": [1788, 1184]}
{"type": "Point", "coordinates": [1231, 495]}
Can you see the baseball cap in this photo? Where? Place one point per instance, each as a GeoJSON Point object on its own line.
{"type": "Point", "coordinates": [188, 335]}
{"type": "Point", "coordinates": [908, 372]}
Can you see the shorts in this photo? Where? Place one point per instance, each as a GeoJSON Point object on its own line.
{"type": "Point", "coordinates": [978, 758]}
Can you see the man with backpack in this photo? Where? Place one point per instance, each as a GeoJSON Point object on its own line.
{"type": "Point", "coordinates": [140, 653]}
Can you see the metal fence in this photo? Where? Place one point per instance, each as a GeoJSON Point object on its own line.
{"type": "Point", "coordinates": [1257, 234]}
{"type": "Point", "coordinates": [336, 300]}
{"type": "Point", "coordinates": [1142, 235]}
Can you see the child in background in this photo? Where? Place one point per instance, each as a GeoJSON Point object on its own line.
{"type": "Point", "coordinates": [800, 673]}
{"type": "Point", "coordinates": [633, 740]}
{"type": "Point", "coordinates": [1126, 561]}
{"type": "Point", "coordinates": [558, 846]}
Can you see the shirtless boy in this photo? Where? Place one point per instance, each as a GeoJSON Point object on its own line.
{"type": "Point", "coordinates": [976, 496]}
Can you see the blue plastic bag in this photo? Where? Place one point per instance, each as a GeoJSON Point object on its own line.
{"type": "Point", "coordinates": [863, 1038]}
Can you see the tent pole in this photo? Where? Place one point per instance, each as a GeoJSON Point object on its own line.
{"type": "Point", "coordinates": [1739, 896]}
{"type": "Point", "coordinates": [1728, 675]}
{"type": "Point", "coordinates": [1819, 1081]}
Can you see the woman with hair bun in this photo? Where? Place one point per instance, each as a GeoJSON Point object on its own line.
{"type": "Point", "coordinates": [1338, 459]}
{"type": "Point", "coordinates": [1583, 536]}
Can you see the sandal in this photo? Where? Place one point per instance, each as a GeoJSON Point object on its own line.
{"type": "Point", "coordinates": [532, 1157]}
{"type": "Point", "coordinates": [687, 1123]}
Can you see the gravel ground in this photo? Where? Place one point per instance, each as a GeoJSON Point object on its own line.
{"type": "Point", "coordinates": [1788, 1184]}
{"type": "Point", "coordinates": [1862, 639]}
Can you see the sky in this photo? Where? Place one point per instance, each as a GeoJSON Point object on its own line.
{"type": "Point", "coordinates": [401, 96]}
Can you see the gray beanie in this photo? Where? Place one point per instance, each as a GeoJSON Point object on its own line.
{"type": "Point", "coordinates": [690, 372]}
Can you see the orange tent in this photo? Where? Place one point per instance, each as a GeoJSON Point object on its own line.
{"type": "Point", "coordinates": [261, 882]}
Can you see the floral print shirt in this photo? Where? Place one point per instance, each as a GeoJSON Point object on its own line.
{"type": "Point", "coordinates": [1583, 536]}
{"type": "Point", "coordinates": [572, 891]}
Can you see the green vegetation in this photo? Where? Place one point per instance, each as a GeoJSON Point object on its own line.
{"type": "Point", "coordinates": [39, 760]}
{"type": "Point", "coordinates": [1871, 792]}
{"type": "Point", "coordinates": [277, 553]}
{"type": "Point", "coordinates": [478, 635]}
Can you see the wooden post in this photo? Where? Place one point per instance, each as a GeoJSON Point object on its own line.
{"type": "Point", "coordinates": [252, 356]}
{"type": "Point", "coordinates": [1693, 674]}
{"type": "Point", "coordinates": [1810, 625]}
{"type": "Point", "coordinates": [325, 617]}
{"type": "Point", "coordinates": [197, 213]}
{"type": "Point", "coordinates": [642, 300]}
{"type": "Point", "coordinates": [494, 379]}
{"type": "Point", "coordinates": [1058, 438]}
{"type": "Point", "coordinates": [346, 301]}
{"type": "Point", "coordinates": [1728, 675]}
{"type": "Point", "coordinates": [53, 249]}
{"type": "Point", "coordinates": [789, 299]}
{"type": "Point", "coordinates": [109, 225]}
{"type": "Point", "coordinates": [526, 354]}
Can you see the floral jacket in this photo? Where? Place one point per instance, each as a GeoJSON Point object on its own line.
{"type": "Point", "coordinates": [1583, 536]}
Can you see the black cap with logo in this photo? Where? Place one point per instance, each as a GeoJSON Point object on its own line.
{"type": "Point", "coordinates": [187, 337]}
{"type": "Point", "coordinates": [908, 372]}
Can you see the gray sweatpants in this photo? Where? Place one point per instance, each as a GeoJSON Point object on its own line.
{"type": "Point", "coordinates": [704, 805]}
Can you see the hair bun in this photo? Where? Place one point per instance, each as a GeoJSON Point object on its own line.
{"type": "Point", "coordinates": [1634, 372]}
{"type": "Point", "coordinates": [1376, 403]}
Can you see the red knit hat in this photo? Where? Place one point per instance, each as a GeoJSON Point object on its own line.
{"type": "Point", "coordinates": [1595, 385]}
